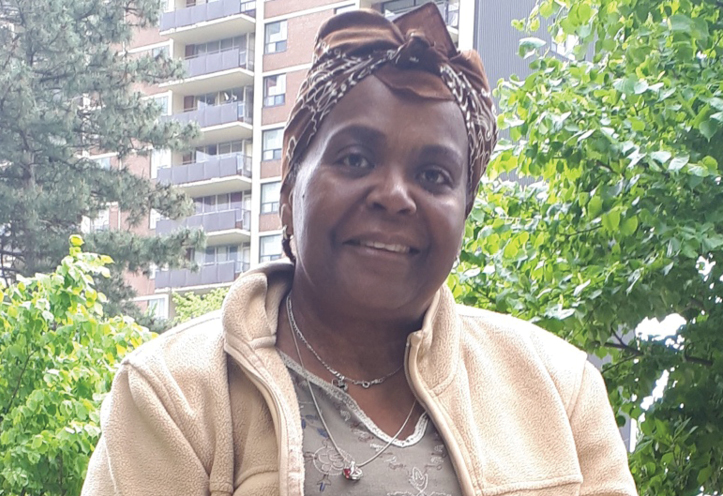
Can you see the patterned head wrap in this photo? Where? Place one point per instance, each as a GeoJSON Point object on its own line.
{"type": "Point", "coordinates": [353, 45]}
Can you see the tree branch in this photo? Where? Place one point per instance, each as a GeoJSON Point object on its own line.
{"type": "Point", "coordinates": [17, 386]}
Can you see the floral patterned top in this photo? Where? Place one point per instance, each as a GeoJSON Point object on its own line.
{"type": "Point", "coordinates": [415, 466]}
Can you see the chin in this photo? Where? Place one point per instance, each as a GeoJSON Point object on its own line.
{"type": "Point", "coordinates": [386, 296]}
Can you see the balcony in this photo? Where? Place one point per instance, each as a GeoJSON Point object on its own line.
{"type": "Point", "coordinates": [219, 123]}
{"type": "Point", "coordinates": [226, 227]}
{"type": "Point", "coordinates": [216, 71]}
{"type": "Point", "coordinates": [209, 21]}
{"type": "Point", "coordinates": [221, 174]}
{"type": "Point", "coordinates": [217, 274]}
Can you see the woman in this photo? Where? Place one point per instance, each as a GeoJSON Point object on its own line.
{"type": "Point", "coordinates": [351, 370]}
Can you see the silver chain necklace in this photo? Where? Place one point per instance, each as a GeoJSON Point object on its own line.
{"type": "Point", "coordinates": [340, 380]}
{"type": "Point", "coordinates": [351, 471]}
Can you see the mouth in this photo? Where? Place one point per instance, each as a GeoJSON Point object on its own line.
{"type": "Point", "coordinates": [387, 247]}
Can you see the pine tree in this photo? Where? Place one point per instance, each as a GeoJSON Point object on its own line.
{"type": "Point", "coordinates": [69, 88]}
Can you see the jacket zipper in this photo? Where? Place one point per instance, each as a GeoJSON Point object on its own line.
{"type": "Point", "coordinates": [410, 369]}
{"type": "Point", "coordinates": [277, 414]}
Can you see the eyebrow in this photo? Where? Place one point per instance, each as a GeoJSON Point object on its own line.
{"type": "Point", "coordinates": [447, 152]}
{"type": "Point", "coordinates": [361, 131]}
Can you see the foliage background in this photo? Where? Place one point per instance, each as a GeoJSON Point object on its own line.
{"type": "Point", "coordinates": [625, 219]}
{"type": "Point", "coordinates": [58, 355]}
{"type": "Point", "coordinates": [190, 305]}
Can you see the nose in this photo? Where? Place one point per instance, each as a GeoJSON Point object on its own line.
{"type": "Point", "coordinates": [391, 192]}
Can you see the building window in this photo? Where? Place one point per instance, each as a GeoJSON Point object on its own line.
{"type": "Point", "coordinates": [160, 52]}
{"type": "Point", "coordinates": [103, 163]}
{"type": "Point", "coordinates": [219, 203]}
{"type": "Point", "coordinates": [157, 307]}
{"type": "Point", "coordinates": [269, 248]}
{"type": "Point", "coordinates": [274, 90]}
{"type": "Point", "coordinates": [153, 217]}
{"type": "Point", "coordinates": [101, 222]}
{"type": "Point", "coordinates": [345, 8]}
{"type": "Point", "coordinates": [449, 9]}
{"type": "Point", "coordinates": [270, 195]}
{"type": "Point", "coordinates": [160, 159]}
{"type": "Point", "coordinates": [163, 103]}
{"type": "Point", "coordinates": [213, 151]}
{"type": "Point", "coordinates": [272, 144]}
{"type": "Point", "coordinates": [276, 35]}
{"type": "Point", "coordinates": [196, 102]}
{"type": "Point", "coordinates": [237, 42]}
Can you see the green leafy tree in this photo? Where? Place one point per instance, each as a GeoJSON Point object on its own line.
{"type": "Point", "coordinates": [68, 88]}
{"type": "Point", "coordinates": [58, 355]}
{"type": "Point", "coordinates": [190, 305]}
{"type": "Point", "coordinates": [624, 137]}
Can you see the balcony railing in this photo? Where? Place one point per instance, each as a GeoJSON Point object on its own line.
{"type": "Point", "coordinates": [236, 164]}
{"type": "Point", "coordinates": [220, 61]}
{"type": "Point", "coordinates": [206, 12]}
{"type": "Point", "coordinates": [449, 11]}
{"type": "Point", "coordinates": [211, 222]}
{"type": "Point", "coordinates": [217, 114]}
{"type": "Point", "coordinates": [218, 273]}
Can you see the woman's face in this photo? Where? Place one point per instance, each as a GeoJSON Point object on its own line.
{"type": "Point", "coordinates": [378, 206]}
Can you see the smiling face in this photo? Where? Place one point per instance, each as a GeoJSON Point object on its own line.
{"type": "Point", "coordinates": [378, 206]}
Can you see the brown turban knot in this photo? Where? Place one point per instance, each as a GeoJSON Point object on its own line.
{"type": "Point", "coordinates": [354, 45]}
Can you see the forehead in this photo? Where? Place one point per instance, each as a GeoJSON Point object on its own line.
{"type": "Point", "coordinates": [401, 116]}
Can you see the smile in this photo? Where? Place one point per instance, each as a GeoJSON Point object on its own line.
{"type": "Point", "coordinates": [378, 245]}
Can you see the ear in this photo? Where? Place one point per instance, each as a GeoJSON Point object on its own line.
{"type": "Point", "coordinates": [286, 200]}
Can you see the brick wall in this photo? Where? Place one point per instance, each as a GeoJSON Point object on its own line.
{"type": "Point", "coordinates": [280, 113]}
{"type": "Point", "coordinates": [270, 168]}
{"type": "Point", "coordinates": [273, 8]}
{"type": "Point", "coordinates": [269, 222]}
{"type": "Point", "coordinates": [300, 42]}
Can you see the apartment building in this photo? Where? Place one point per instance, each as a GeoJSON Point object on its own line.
{"type": "Point", "coordinates": [245, 61]}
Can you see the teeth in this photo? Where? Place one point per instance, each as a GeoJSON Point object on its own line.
{"type": "Point", "coordinates": [382, 246]}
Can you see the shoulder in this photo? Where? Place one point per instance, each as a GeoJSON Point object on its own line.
{"type": "Point", "coordinates": [188, 353]}
{"type": "Point", "coordinates": [518, 341]}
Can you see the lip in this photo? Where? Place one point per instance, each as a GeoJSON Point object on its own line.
{"type": "Point", "coordinates": [384, 244]}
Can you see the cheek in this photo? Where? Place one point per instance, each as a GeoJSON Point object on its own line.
{"type": "Point", "coordinates": [453, 219]}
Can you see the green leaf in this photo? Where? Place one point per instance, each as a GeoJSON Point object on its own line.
{"type": "Point", "coordinates": [640, 86]}
{"type": "Point", "coordinates": [611, 220]}
{"type": "Point", "coordinates": [76, 240]}
{"type": "Point", "coordinates": [708, 128]}
{"type": "Point", "coordinates": [629, 226]}
{"type": "Point", "coordinates": [529, 45]}
{"type": "Point", "coordinates": [678, 163]}
{"type": "Point", "coordinates": [511, 250]}
{"type": "Point", "coordinates": [710, 163]}
{"type": "Point", "coordinates": [594, 206]}
{"type": "Point", "coordinates": [636, 124]}
{"type": "Point", "coordinates": [704, 474]}
{"type": "Point", "coordinates": [679, 22]}
{"type": "Point", "coordinates": [626, 85]}
{"type": "Point", "coordinates": [547, 8]}
{"type": "Point", "coordinates": [661, 156]}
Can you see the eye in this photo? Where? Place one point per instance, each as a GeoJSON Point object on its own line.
{"type": "Point", "coordinates": [435, 176]}
{"type": "Point", "coordinates": [356, 161]}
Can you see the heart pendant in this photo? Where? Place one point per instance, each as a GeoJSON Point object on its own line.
{"type": "Point", "coordinates": [352, 472]}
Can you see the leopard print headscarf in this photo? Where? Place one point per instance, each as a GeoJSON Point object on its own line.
{"type": "Point", "coordinates": [353, 45]}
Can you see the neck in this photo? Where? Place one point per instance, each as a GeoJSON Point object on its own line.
{"type": "Point", "coordinates": [361, 348]}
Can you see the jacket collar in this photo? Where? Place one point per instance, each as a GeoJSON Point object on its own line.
{"type": "Point", "coordinates": [250, 315]}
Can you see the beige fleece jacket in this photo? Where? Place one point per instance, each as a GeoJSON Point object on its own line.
{"type": "Point", "coordinates": [209, 408]}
